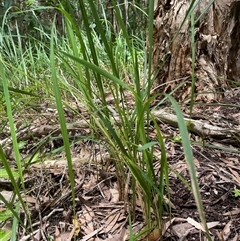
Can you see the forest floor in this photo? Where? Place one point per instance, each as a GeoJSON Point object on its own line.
{"type": "Point", "coordinates": [101, 214]}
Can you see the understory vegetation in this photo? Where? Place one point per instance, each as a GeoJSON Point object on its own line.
{"type": "Point", "coordinates": [92, 79]}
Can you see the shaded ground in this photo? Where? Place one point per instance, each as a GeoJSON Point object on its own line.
{"type": "Point", "coordinates": [101, 214]}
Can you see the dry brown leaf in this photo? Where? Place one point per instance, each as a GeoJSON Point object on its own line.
{"type": "Point", "coordinates": [104, 189]}
{"type": "Point", "coordinates": [7, 194]}
{"type": "Point", "coordinates": [89, 210]}
{"type": "Point", "coordinates": [212, 224]}
{"type": "Point", "coordinates": [90, 235]}
{"type": "Point", "coordinates": [122, 236]}
{"type": "Point", "coordinates": [111, 215]}
{"type": "Point", "coordinates": [182, 229]}
{"type": "Point", "coordinates": [57, 236]}
{"type": "Point", "coordinates": [235, 174]}
{"type": "Point", "coordinates": [84, 153]}
{"type": "Point", "coordinates": [155, 235]}
{"type": "Point", "coordinates": [179, 167]}
{"type": "Point", "coordinates": [196, 224]}
{"type": "Point", "coordinates": [31, 199]}
{"type": "Point", "coordinates": [66, 236]}
{"type": "Point", "coordinates": [231, 213]}
{"type": "Point", "coordinates": [167, 225]}
{"type": "Point", "coordinates": [235, 237]}
{"type": "Point", "coordinates": [199, 226]}
{"type": "Point", "coordinates": [196, 162]}
{"type": "Point", "coordinates": [110, 224]}
{"type": "Point", "coordinates": [89, 222]}
{"type": "Point", "coordinates": [38, 236]}
{"type": "Point", "coordinates": [114, 194]}
{"type": "Point", "coordinates": [118, 226]}
{"type": "Point", "coordinates": [227, 230]}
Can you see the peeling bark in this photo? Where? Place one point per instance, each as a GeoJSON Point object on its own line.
{"type": "Point", "coordinates": [217, 41]}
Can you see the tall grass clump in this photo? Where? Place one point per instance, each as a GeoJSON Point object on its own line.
{"type": "Point", "coordinates": [89, 66]}
{"type": "Point", "coordinates": [124, 127]}
{"type": "Point", "coordinates": [100, 68]}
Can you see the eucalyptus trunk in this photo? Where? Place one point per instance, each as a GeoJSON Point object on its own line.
{"type": "Point", "coordinates": [217, 41]}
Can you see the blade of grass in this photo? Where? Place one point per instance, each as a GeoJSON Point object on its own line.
{"type": "Point", "coordinates": [99, 27]}
{"type": "Point", "coordinates": [15, 224]}
{"type": "Point", "coordinates": [189, 158]}
{"type": "Point", "coordinates": [14, 141]}
{"type": "Point", "coordinates": [62, 118]}
{"type": "Point", "coordinates": [193, 63]}
{"type": "Point", "coordinates": [101, 71]}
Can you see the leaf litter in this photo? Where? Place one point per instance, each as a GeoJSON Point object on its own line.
{"type": "Point", "coordinates": [100, 212]}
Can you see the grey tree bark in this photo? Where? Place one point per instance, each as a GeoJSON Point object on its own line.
{"type": "Point", "coordinates": [217, 44]}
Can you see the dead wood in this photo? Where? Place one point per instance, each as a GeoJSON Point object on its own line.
{"type": "Point", "coordinates": [199, 127]}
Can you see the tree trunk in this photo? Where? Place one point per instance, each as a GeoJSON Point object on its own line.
{"type": "Point", "coordinates": [217, 42]}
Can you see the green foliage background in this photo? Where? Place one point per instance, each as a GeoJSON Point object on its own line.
{"type": "Point", "coordinates": [28, 16]}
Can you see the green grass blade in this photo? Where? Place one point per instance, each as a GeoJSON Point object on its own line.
{"type": "Point", "coordinates": [101, 71]}
{"type": "Point", "coordinates": [101, 32]}
{"type": "Point", "coordinates": [61, 117]}
{"type": "Point", "coordinates": [150, 43]}
{"type": "Point", "coordinates": [205, 10]}
{"type": "Point", "coordinates": [193, 63]}
{"type": "Point", "coordinates": [14, 141]}
{"type": "Point", "coordinates": [189, 158]}
{"type": "Point", "coordinates": [15, 224]}
{"type": "Point", "coordinates": [15, 90]}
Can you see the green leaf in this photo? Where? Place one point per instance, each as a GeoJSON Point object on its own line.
{"type": "Point", "coordinates": [18, 91]}
{"type": "Point", "coordinates": [236, 192]}
{"type": "Point", "coordinates": [147, 145]}
{"type": "Point", "coordinates": [21, 144]}
{"type": "Point", "coordinates": [5, 215]}
{"type": "Point", "coordinates": [4, 235]}
{"type": "Point", "coordinates": [4, 174]}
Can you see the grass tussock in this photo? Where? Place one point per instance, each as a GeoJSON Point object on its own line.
{"type": "Point", "coordinates": [112, 80]}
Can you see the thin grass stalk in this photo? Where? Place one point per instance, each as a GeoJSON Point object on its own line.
{"type": "Point", "coordinates": [15, 224]}
{"type": "Point", "coordinates": [12, 128]}
{"type": "Point", "coordinates": [189, 159]}
{"type": "Point", "coordinates": [106, 44]}
{"type": "Point", "coordinates": [9, 206]}
{"type": "Point", "coordinates": [16, 152]}
{"type": "Point", "coordinates": [110, 55]}
{"type": "Point", "coordinates": [20, 57]}
{"type": "Point", "coordinates": [93, 50]}
{"type": "Point", "coordinates": [193, 63]}
{"type": "Point", "coordinates": [164, 176]}
{"type": "Point", "coordinates": [83, 83]}
{"type": "Point", "coordinates": [80, 39]}
{"type": "Point", "coordinates": [106, 121]}
{"type": "Point", "coordinates": [139, 98]}
{"type": "Point", "coordinates": [150, 45]}
{"type": "Point", "coordinates": [86, 87]}
{"type": "Point", "coordinates": [62, 118]}
{"type": "Point", "coordinates": [203, 12]}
